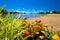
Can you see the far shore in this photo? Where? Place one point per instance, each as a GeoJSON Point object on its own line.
{"type": "Point", "coordinates": [52, 19]}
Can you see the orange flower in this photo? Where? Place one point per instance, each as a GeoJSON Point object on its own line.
{"type": "Point", "coordinates": [34, 32]}
{"type": "Point", "coordinates": [38, 21]}
{"type": "Point", "coordinates": [26, 29]}
{"type": "Point", "coordinates": [38, 27]}
{"type": "Point", "coordinates": [45, 25]}
{"type": "Point", "coordinates": [26, 33]}
{"type": "Point", "coordinates": [24, 19]}
{"type": "Point", "coordinates": [29, 24]}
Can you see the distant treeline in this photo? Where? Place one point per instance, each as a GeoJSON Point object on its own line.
{"type": "Point", "coordinates": [5, 12]}
{"type": "Point", "coordinates": [14, 12]}
{"type": "Point", "coordinates": [53, 12]}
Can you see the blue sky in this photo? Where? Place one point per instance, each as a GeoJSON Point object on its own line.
{"type": "Point", "coordinates": [31, 5]}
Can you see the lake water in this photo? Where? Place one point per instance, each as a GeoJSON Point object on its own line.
{"type": "Point", "coordinates": [27, 15]}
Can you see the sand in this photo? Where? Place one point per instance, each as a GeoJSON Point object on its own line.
{"type": "Point", "coordinates": [52, 19]}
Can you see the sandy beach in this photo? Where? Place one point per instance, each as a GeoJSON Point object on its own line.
{"type": "Point", "coordinates": [51, 19]}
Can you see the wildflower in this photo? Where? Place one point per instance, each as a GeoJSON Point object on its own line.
{"type": "Point", "coordinates": [26, 33]}
{"type": "Point", "coordinates": [26, 29]}
{"type": "Point", "coordinates": [24, 19]}
{"type": "Point", "coordinates": [55, 37]}
{"type": "Point", "coordinates": [34, 32]}
{"type": "Point", "coordinates": [45, 25]}
{"type": "Point", "coordinates": [37, 32]}
{"type": "Point", "coordinates": [41, 37]}
{"type": "Point", "coordinates": [37, 26]}
{"type": "Point", "coordinates": [38, 21]}
{"type": "Point", "coordinates": [28, 24]}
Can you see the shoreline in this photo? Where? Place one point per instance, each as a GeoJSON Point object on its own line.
{"type": "Point", "coordinates": [51, 19]}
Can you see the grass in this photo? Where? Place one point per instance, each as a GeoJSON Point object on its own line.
{"type": "Point", "coordinates": [19, 29]}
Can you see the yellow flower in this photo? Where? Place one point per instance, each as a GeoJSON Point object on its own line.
{"type": "Point", "coordinates": [41, 37]}
{"type": "Point", "coordinates": [37, 32]}
{"type": "Point", "coordinates": [45, 25]}
{"type": "Point", "coordinates": [55, 37]}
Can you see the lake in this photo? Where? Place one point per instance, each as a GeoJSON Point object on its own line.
{"type": "Point", "coordinates": [27, 15]}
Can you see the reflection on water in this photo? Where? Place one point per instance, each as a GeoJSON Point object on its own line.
{"type": "Point", "coordinates": [27, 15]}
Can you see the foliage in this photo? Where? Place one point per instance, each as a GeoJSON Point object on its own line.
{"type": "Point", "coordinates": [20, 29]}
{"type": "Point", "coordinates": [9, 27]}
{"type": "Point", "coordinates": [54, 11]}
{"type": "Point", "coordinates": [47, 12]}
{"type": "Point", "coordinates": [41, 12]}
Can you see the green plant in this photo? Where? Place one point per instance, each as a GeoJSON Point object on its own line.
{"type": "Point", "coordinates": [20, 29]}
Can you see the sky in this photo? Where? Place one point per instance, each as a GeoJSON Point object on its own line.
{"type": "Point", "coordinates": [30, 5]}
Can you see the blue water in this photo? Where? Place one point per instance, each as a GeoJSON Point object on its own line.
{"type": "Point", "coordinates": [27, 15]}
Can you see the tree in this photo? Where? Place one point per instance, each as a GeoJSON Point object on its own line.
{"type": "Point", "coordinates": [56, 12]}
{"type": "Point", "coordinates": [47, 12]}
{"type": "Point", "coordinates": [41, 12]}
